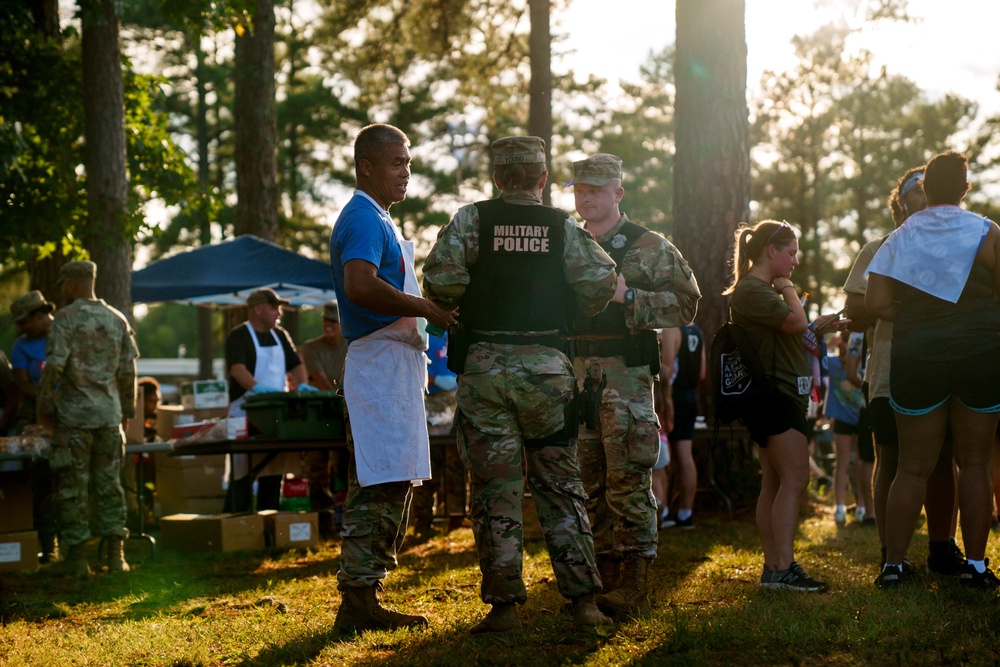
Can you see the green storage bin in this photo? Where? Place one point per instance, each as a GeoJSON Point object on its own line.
{"type": "Point", "coordinates": [297, 415]}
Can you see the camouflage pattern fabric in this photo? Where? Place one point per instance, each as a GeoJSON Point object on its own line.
{"type": "Point", "coordinates": [666, 291]}
{"type": "Point", "coordinates": [89, 375]}
{"type": "Point", "coordinates": [616, 460]}
{"type": "Point", "coordinates": [509, 394]}
{"type": "Point", "coordinates": [373, 529]}
{"type": "Point", "coordinates": [512, 393]}
{"type": "Point", "coordinates": [87, 463]}
{"type": "Point", "coordinates": [589, 270]}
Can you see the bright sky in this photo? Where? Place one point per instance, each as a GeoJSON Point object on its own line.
{"type": "Point", "coordinates": [960, 34]}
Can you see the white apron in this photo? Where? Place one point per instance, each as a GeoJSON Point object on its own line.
{"type": "Point", "coordinates": [268, 370]}
{"type": "Point", "coordinates": [384, 377]}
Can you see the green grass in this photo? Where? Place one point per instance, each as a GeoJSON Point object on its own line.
{"type": "Point", "coordinates": [186, 610]}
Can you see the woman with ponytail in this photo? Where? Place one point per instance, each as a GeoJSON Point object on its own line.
{"type": "Point", "coordinates": [766, 304]}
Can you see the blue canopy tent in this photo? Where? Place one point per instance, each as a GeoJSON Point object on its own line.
{"type": "Point", "coordinates": [224, 274]}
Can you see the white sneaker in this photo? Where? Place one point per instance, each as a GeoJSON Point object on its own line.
{"type": "Point", "coordinates": [840, 517]}
{"type": "Point", "coordinates": [859, 514]}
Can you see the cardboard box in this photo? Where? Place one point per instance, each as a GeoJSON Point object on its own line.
{"type": "Point", "coordinates": [166, 505]}
{"type": "Point", "coordinates": [205, 394]}
{"type": "Point", "coordinates": [291, 530]}
{"type": "Point", "coordinates": [15, 502]}
{"type": "Point", "coordinates": [19, 551]}
{"type": "Point", "coordinates": [190, 476]}
{"type": "Point", "coordinates": [212, 532]}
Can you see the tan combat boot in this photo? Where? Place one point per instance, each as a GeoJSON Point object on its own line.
{"type": "Point", "coordinates": [361, 610]}
{"type": "Point", "coordinates": [116, 555]}
{"type": "Point", "coordinates": [75, 564]}
{"type": "Point", "coordinates": [610, 570]}
{"type": "Point", "coordinates": [632, 595]}
{"type": "Point", "coordinates": [502, 618]}
{"type": "Point", "coordinates": [586, 613]}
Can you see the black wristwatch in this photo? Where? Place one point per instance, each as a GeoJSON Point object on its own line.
{"type": "Point", "coordinates": [629, 296]}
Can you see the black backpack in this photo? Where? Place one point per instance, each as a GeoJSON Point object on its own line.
{"type": "Point", "coordinates": [738, 377]}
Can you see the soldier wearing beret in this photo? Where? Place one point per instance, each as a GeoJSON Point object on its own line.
{"type": "Point", "coordinates": [513, 267]}
{"type": "Point", "coordinates": [618, 355]}
{"type": "Point", "coordinates": [87, 390]}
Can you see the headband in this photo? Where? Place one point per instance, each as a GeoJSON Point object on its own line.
{"type": "Point", "coordinates": [911, 182]}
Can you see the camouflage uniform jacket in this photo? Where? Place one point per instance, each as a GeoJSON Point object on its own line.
{"type": "Point", "coordinates": [666, 291]}
{"type": "Point", "coordinates": [589, 270]}
{"type": "Point", "coordinates": [89, 375]}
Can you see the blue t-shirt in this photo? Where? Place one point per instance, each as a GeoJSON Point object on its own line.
{"type": "Point", "coordinates": [29, 355]}
{"type": "Point", "coordinates": [842, 404]}
{"type": "Point", "coordinates": [437, 353]}
{"type": "Point", "coordinates": [364, 231]}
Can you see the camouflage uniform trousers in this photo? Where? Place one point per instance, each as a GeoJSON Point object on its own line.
{"type": "Point", "coordinates": [509, 399]}
{"type": "Point", "coordinates": [616, 460]}
{"type": "Point", "coordinates": [374, 526]}
{"type": "Point", "coordinates": [87, 463]}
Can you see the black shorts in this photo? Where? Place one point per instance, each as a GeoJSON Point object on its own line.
{"type": "Point", "coordinates": [917, 387]}
{"type": "Point", "coordinates": [866, 444]}
{"type": "Point", "coordinates": [883, 422]}
{"type": "Point", "coordinates": [774, 415]}
{"type": "Point", "coordinates": [840, 427]}
{"type": "Point", "coordinates": [685, 415]}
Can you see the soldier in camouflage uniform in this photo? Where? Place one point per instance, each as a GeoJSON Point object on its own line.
{"type": "Point", "coordinates": [617, 358]}
{"type": "Point", "coordinates": [87, 390]}
{"type": "Point", "coordinates": [513, 267]}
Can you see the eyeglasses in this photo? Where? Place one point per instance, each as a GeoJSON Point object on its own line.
{"type": "Point", "coordinates": [784, 224]}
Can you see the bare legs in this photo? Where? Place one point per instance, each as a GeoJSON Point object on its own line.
{"type": "Point", "coordinates": [785, 468]}
{"type": "Point", "coordinates": [924, 435]}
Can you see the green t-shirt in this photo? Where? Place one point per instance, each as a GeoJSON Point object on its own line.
{"type": "Point", "coordinates": [759, 309]}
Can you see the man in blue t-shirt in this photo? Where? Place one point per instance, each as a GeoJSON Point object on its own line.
{"type": "Point", "coordinates": [384, 377]}
{"type": "Point", "coordinates": [33, 316]}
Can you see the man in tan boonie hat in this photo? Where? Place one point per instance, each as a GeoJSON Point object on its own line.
{"type": "Point", "coordinates": [77, 269]}
{"type": "Point", "coordinates": [599, 170]}
{"type": "Point", "coordinates": [29, 304]}
{"type": "Point", "coordinates": [266, 295]}
{"type": "Point", "coordinates": [518, 150]}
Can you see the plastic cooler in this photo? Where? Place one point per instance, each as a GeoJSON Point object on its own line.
{"type": "Point", "coordinates": [296, 415]}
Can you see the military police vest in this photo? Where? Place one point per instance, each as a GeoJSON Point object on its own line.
{"type": "Point", "coordinates": [517, 282]}
{"type": "Point", "coordinates": [611, 320]}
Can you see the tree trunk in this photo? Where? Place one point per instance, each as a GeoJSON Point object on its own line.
{"type": "Point", "coordinates": [540, 106]}
{"type": "Point", "coordinates": [43, 272]}
{"type": "Point", "coordinates": [256, 209]}
{"type": "Point", "coordinates": [106, 236]}
{"type": "Point", "coordinates": [712, 170]}
{"type": "Point", "coordinates": [45, 14]}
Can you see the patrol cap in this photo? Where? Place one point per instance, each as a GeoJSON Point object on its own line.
{"type": "Point", "coordinates": [266, 295]}
{"type": "Point", "coordinates": [518, 150]}
{"type": "Point", "coordinates": [32, 302]}
{"type": "Point", "coordinates": [80, 269]}
{"type": "Point", "coordinates": [599, 169]}
{"type": "Point", "coordinates": [330, 311]}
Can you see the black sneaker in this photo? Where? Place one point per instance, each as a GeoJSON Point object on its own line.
{"type": "Point", "coordinates": [796, 579]}
{"type": "Point", "coordinates": [667, 521]}
{"type": "Point", "coordinates": [948, 562]}
{"type": "Point", "coordinates": [981, 580]}
{"type": "Point", "coordinates": [891, 576]}
{"type": "Point", "coordinates": [686, 524]}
